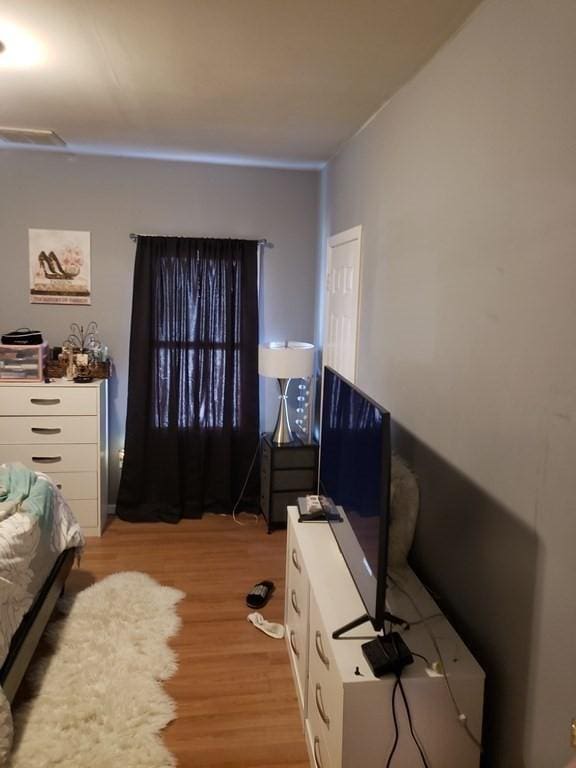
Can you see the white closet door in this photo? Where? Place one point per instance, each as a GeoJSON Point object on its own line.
{"type": "Point", "coordinates": [342, 302]}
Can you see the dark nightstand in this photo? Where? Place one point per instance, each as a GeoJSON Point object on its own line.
{"type": "Point", "coordinates": [286, 472]}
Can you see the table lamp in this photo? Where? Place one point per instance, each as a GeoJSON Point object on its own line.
{"type": "Point", "coordinates": [285, 360]}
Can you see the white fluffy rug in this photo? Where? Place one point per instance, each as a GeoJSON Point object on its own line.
{"type": "Point", "coordinates": [99, 702]}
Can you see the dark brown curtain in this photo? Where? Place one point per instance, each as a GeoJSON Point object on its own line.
{"type": "Point", "coordinates": [192, 418]}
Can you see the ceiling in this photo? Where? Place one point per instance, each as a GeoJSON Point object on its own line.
{"type": "Point", "coordinates": [274, 82]}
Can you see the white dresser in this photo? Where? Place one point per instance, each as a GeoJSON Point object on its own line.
{"type": "Point", "coordinates": [346, 711]}
{"type": "Point", "coordinates": [61, 429]}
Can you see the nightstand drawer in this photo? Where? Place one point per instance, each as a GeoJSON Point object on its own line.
{"type": "Point", "coordinates": [293, 480]}
{"type": "Point", "coordinates": [298, 457]}
{"type": "Point", "coordinates": [278, 504]}
{"type": "Point", "coordinates": [286, 472]}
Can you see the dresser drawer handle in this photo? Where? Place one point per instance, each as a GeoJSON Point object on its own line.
{"type": "Point", "coordinates": [320, 650]}
{"type": "Point", "coordinates": [295, 561]}
{"type": "Point", "coordinates": [46, 430]}
{"type": "Point", "coordinates": [317, 759]}
{"type": "Point", "coordinates": [294, 602]}
{"type": "Point", "coordinates": [46, 459]}
{"type": "Point", "coordinates": [293, 645]}
{"type": "Point", "coordinates": [45, 400]}
{"type": "Point", "coordinates": [320, 705]}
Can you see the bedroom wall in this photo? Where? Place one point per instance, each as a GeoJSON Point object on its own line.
{"type": "Point", "coordinates": [111, 197]}
{"type": "Point", "coordinates": [465, 185]}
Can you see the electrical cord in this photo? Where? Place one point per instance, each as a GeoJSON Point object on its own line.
{"type": "Point", "coordinates": [239, 499]}
{"type": "Point", "coordinates": [398, 685]}
{"type": "Point", "coordinates": [396, 731]}
{"type": "Point", "coordinates": [426, 618]}
{"type": "Point", "coordinates": [409, 715]}
{"type": "Point", "coordinates": [461, 716]}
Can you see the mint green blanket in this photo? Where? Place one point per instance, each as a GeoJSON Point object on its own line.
{"type": "Point", "coordinates": [21, 489]}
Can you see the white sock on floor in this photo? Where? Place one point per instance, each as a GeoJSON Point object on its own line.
{"type": "Point", "coordinates": [274, 630]}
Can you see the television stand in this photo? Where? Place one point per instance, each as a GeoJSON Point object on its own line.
{"type": "Point", "coordinates": [346, 710]}
{"type": "Point", "coordinates": [366, 617]}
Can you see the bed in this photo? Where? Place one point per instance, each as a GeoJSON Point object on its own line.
{"type": "Point", "coordinates": [39, 540]}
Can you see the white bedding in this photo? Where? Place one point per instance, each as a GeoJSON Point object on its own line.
{"type": "Point", "coordinates": [29, 546]}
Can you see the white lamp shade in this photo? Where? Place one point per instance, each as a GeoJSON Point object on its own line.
{"type": "Point", "coordinates": [286, 359]}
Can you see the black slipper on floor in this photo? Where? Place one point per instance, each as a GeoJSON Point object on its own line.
{"type": "Point", "coordinates": [259, 594]}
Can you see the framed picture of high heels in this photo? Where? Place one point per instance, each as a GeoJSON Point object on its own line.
{"type": "Point", "coordinates": [59, 266]}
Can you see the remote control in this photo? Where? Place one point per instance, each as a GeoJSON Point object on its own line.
{"type": "Point", "coordinates": [310, 509]}
{"type": "Point", "coordinates": [313, 504]}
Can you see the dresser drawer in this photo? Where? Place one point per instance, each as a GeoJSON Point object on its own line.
{"type": "Point", "coordinates": [317, 746]}
{"type": "Point", "coordinates": [48, 400]}
{"type": "Point", "coordinates": [60, 430]}
{"type": "Point", "coordinates": [297, 634]}
{"type": "Point", "coordinates": [59, 458]}
{"type": "Point", "coordinates": [48, 429]}
{"type": "Point", "coordinates": [296, 616]}
{"type": "Point", "coordinates": [86, 512]}
{"type": "Point", "coordinates": [297, 639]}
{"type": "Point", "coordinates": [76, 485]}
{"type": "Point", "coordinates": [297, 607]}
{"type": "Point", "coordinates": [325, 691]}
{"type": "Point", "coordinates": [296, 576]}
{"type": "Point", "coordinates": [316, 735]}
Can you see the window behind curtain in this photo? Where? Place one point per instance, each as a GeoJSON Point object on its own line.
{"type": "Point", "coordinates": [197, 344]}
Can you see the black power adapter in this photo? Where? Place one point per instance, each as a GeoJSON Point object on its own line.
{"type": "Point", "coordinates": [387, 654]}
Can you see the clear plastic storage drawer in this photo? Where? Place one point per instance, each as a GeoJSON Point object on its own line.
{"type": "Point", "coordinates": [22, 362]}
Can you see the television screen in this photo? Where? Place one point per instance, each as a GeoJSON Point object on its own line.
{"type": "Point", "coordinates": [355, 477]}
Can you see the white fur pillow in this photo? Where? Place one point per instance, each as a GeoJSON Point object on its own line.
{"type": "Point", "coordinates": [404, 504]}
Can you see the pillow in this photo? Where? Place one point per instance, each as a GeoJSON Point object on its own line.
{"type": "Point", "coordinates": [404, 504]}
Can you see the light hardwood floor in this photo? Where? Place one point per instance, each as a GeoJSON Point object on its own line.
{"type": "Point", "coordinates": [234, 693]}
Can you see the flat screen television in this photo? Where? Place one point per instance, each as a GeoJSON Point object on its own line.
{"type": "Point", "coordinates": [355, 480]}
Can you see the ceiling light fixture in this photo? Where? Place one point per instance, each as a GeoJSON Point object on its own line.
{"type": "Point", "coordinates": [18, 49]}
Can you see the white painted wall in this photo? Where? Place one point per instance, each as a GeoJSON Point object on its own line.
{"type": "Point", "coordinates": [465, 185]}
{"type": "Point", "coordinates": [111, 197]}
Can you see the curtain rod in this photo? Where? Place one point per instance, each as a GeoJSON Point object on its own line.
{"type": "Point", "coordinates": [135, 235]}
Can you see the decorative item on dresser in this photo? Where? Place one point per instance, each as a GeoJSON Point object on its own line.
{"type": "Point", "coordinates": [56, 369]}
{"type": "Point", "coordinates": [61, 429]}
{"type": "Point", "coordinates": [81, 357]}
{"type": "Point", "coordinates": [286, 472]}
{"type": "Point", "coordinates": [347, 712]}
